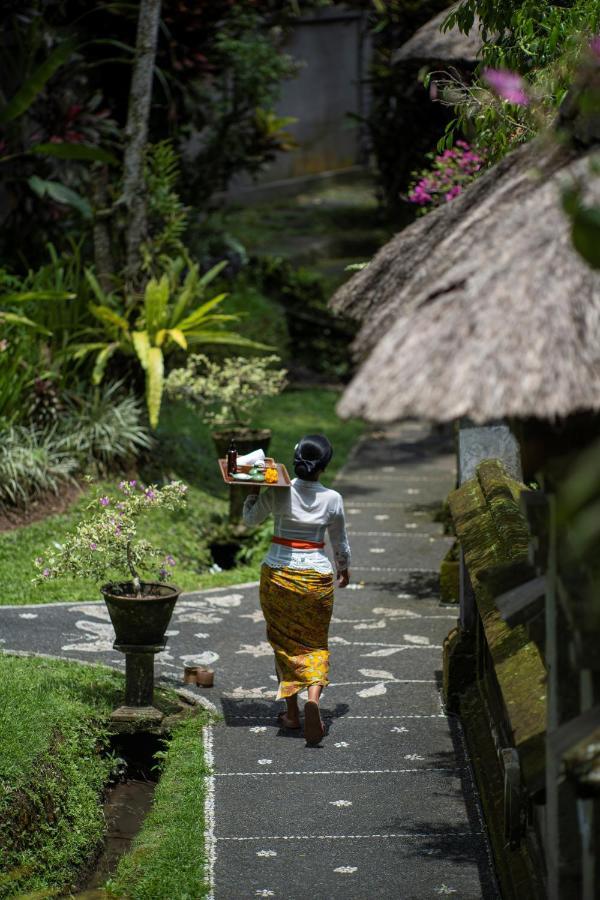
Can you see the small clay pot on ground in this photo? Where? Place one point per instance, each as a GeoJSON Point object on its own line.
{"type": "Point", "coordinates": [200, 675]}
{"type": "Point", "coordinates": [205, 677]}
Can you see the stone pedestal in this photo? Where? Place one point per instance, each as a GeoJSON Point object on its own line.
{"type": "Point", "coordinates": [139, 685]}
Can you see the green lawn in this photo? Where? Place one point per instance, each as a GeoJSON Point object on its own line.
{"type": "Point", "coordinates": [53, 773]}
{"type": "Point", "coordinates": [167, 857]}
{"type": "Point", "coordinates": [185, 451]}
{"type": "Point", "coordinates": [53, 725]}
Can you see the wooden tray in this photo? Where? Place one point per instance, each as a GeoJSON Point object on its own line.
{"type": "Point", "coordinates": [282, 481]}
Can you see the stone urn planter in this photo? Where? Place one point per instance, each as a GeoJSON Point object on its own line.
{"type": "Point", "coordinates": [106, 542]}
{"type": "Point", "coordinates": [140, 623]}
{"type": "Point", "coordinates": [246, 439]}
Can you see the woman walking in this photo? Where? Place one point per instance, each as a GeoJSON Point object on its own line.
{"type": "Point", "coordinates": [296, 584]}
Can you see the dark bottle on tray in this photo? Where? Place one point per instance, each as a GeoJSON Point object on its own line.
{"type": "Point", "coordinates": [232, 458]}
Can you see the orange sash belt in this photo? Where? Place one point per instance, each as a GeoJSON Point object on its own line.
{"type": "Point", "coordinates": [298, 545]}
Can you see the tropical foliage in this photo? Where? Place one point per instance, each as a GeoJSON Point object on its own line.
{"type": "Point", "coordinates": [31, 464]}
{"type": "Point", "coordinates": [169, 317]}
{"type": "Point", "coordinates": [544, 49]}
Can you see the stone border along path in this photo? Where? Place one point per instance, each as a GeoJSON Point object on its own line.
{"type": "Point", "coordinates": [386, 807]}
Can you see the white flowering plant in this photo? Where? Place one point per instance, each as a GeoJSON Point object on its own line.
{"type": "Point", "coordinates": [225, 394]}
{"type": "Point", "coordinates": [105, 543]}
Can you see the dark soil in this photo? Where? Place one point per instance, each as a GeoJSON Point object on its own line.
{"type": "Point", "coordinates": [49, 504]}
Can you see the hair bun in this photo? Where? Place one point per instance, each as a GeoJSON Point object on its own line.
{"type": "Point", "coordinates": [304, 466]}
{"type": "Point", "coordinates": [312, 454]}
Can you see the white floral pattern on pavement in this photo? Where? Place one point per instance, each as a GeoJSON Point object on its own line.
{"type": "Point", "coordinates": [369, 626]}
{"type": "Point", "coordinates": [99, 638]}
{"type": "Point", "coordinates": [201, 659]}
{"type": "Point", "coordinates": [256, 650]}
{"type": "Point", "coordinates": [375, 691]}
{"type": "Point", "coordinates": [376, 673]}
{"type": "Point", "coordinates": [256, 616]}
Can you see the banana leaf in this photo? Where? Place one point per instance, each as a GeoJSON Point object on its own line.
{"type": "Point", "coordinates": [200, 314]}
{"type": "Point", "coordinates": [141, 344]}
{"type": "Point", "coordinates": [30, 296]}
{"type": "Point", "coordinates": [156, 299]}
{"type": "Point", "coordinates": [225, 337]}
{"type": "Point", "coordinates": [75, 151]}
{"type": "Point", "coordinates": [28, 92]}
{"type": "Point", "coordinates": [101, 361]}
{"type": "Point", "coordinates": [13, 319]}
{"type": "Point", "coordinates": [60, 193]}
{"type": "Point", "coordinates": [154, 384]}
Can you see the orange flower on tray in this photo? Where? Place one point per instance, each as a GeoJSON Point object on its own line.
{"type": "Point", "coordinates": [271, 476]}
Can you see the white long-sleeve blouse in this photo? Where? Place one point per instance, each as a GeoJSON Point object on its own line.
{"type": "Point", "coordinates": [304, 512]}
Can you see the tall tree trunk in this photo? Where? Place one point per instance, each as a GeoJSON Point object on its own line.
{"type": "Point", "coordinates": [103, 258]}
{"type": "Point", "coordinates": [136, 133]}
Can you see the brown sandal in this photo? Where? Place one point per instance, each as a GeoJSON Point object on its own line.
{"type": "Point", "coordinates": [314, 729]}
{"type": "Point", "coordinates": [282, 723]}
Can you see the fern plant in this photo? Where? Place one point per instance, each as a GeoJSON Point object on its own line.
{"type": "Point", "coordinates": [167, 214]}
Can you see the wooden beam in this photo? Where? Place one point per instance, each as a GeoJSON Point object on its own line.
{"type": "Point", "coordinates": [522, 603]}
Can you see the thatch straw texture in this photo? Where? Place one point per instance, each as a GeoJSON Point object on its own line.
{"type": "Point", "coordinates": [429, 43]}
{"type": "Point", "coordinates": [482, 307]}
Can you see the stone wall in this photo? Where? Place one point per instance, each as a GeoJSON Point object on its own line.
{"type": "Point", "coordinates": [333, 50]}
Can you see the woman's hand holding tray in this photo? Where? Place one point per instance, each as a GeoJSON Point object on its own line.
{"type": "Point", "coordinates": [283, 479]}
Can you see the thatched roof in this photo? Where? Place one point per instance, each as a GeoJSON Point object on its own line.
{"type": "Point", "coordinates": [431, 44]}
{"type": "Point", "coordinates": [482, 307]}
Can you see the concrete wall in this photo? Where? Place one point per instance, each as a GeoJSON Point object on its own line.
{"type": "Point", "coordinates": [332, 48]}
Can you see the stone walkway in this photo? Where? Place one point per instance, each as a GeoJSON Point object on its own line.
{"type": "Point", "coordinates": [386, 806]}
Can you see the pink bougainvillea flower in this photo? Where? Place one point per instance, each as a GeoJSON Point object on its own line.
{"type": "Point", "coordinates": [453, 192]}
{"type": "Point", "coordinates": [93, 545]}
{"type": "Point", "coordinates": [508, 85]}
{"type": "Point", "coordinates": [46, 573]}
{"type": "Point", "coordinates": [104, 501]}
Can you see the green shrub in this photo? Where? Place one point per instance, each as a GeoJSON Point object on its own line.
{"type": "Point", "coordinates": [15, 374]}
{"type": "Point", "coordinates": [105, 427]}
{"type": "Point", "coordinates": [31, 463]}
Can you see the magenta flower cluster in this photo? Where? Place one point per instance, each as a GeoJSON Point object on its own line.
{"type": "Point", "coordinates": [448, 175]}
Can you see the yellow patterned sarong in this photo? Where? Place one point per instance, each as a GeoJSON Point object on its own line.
{"type": "Point", "coordinates": [297, 605]}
